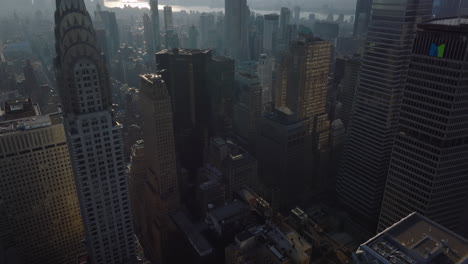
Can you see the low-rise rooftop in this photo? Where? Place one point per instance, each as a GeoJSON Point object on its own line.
{"type": "Point", "coordinates": [416, 240]}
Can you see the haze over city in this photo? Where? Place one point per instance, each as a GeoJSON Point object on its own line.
{"type": "Point", "coordinates": [234, 131]}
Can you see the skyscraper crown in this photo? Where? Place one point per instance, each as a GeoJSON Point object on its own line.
{"type": "Point", "coordinates": [82, 77]}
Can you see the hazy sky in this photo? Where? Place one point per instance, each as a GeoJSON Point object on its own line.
{"type": "Point", "coordinates": [345, 6]}
{"type": "Point", "coordinates": [274, 4]}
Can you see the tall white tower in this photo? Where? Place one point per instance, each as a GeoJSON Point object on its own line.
{"type": "Point", "coordinates": [94, 138]}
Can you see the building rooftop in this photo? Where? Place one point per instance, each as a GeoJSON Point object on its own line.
{"type": "Point", "coordinates": [417, 240]}
{"type": "Point", "coordinates": [222, 59]}
{"type": "Point", "coordinates": [283, 116]}
{"type": "Point", "coordinates": [26, 123]}
{"type": "Point", "coordinates": [184, 51]}
{"type": "Point", "coordinates": [20, 107]}
{"type": "Point", "coordinates": [230, 210]}
{"type": "Point", "coordinates": [448, 23]}
{"type": "Point", "coordinates": [199, 243]}
{"type": "Point", "coordinates": [20, 115]}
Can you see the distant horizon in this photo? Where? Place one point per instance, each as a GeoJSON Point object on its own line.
{"type": "Point", "coordinates": [347, 7]}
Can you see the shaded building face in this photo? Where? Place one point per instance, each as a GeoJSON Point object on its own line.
{"type": "Point", "coordinates": [376, 108]}
{"type": "Point", "coordinates": [38, 190]}
{"type": "Point", "coordinates": [431, 146]}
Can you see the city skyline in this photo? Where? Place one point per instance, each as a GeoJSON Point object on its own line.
{"type": "Point", "coordinates": [237, 131]}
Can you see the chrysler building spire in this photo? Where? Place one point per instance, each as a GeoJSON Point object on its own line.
{"type": "Point", "coordinates": [81, 72]}
{"type": "Point", "coordinates": [94, 138]}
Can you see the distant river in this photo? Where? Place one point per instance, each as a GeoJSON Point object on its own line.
{"type": "Point", "coordinates": [201, 9]}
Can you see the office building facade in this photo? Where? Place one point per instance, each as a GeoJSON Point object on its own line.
{"type": "Point", "coordinates": [159, 142]}
{"type": "Point", "coordinates": [154, 8]}
{"type": "Point", "coordinates": [430, 153]}
{"type": "Point", "coordinates": [285, 19]}
{"type": "Point", "coordinates": [366, 156]}
{"type": "Point", "coordinates": [161, 188]}
{"type": "Point", "coordinates": [148, 34]}
{"type": "Point", "coordinates": [303, 84]}
{"type": "Point", "coordinates": [270, 33]}
{"type": "Point", "coordinates": [237, 14]}
{"type": "Point", "coordinates": [362, 18]}
{"type": "Point", "coordinates": [168, 22]}
{"type": "Point", "coordinates": [38, 192]}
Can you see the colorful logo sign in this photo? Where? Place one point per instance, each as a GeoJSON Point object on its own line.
{"type": "Point", "coordinates": [437, 51]}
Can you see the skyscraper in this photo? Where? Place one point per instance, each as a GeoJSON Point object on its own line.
{"type": "Point", "coordinates": [429, 161]}
{"type": "Point", "coordinates": [168, 22]}
{"type": "Point", "coordinates": [285, 19]}
{"type": "Point", "coordinates": [362, 17]}
{"type": "Point", "coordinates": [237, 14]}
{"type": "Point", "coordinates": [207, 26]}
{"type": "Point", "coordinates": [159, 142]}
{"type": "Point", "coordinates": [238, 167]}
{"type": "Point", "coordinates": [161, 192]}
{"type": "Point", "coordinates": [303, 86]}
{"type": "Point", "coordinates": [108, 21]}
{"type": "Point", "coordinates": [248, 108]}
{"type": "Point", "coordinates": [297, 14]}
{"type": "Point", "coordinates": [38, 192]}
{"type": "Point", "coordinates": [136, 186]}
{"type": "Point", "coordinates": [270, 33]}
{"type": "Point", "coordinates": [366, 156]}
{"type": "Point", "coordinates": [348, 87]}
{"type": "Point", "coordinates": [450, 8]}
{"type": "Point", "coordinates": [94, 138]}
{"type": "Point", "coordinates": [148, 33]}
{"type": "Point", "coordinates": [185, 73]}
{"type": "Point", "coordinates": [155, 25]}
{"type": "Point", "coordinates": [265, 74]}
{"type": "Point", "coordinates": [193, 37]}
{"type": "Point", "coordinates": [281, 152]}
{"type": "Point", "coordinates": [222, 92]}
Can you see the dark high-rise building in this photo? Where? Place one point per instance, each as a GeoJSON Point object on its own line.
{"type": "Point", "coordinates": [137, 183]}
{"type": "Point", "coordinates": [186, 74]}
{"type": "Point", "coordinates": [362, 17]}
{"type": "Point", "coordinates": [248, 108]}
{"type": "Point", "coordinates": [285, 19]}
{"type": "Point", "coordinates": [451, 8]}
{"type": "Point", "coordinates": [193, 37]}
{"type": "Point", "coordinates": [109, 23]}
{"type": "Point", "coordinates": [168, 22]}
{"type": "Point", "coordinates": [31, 85]}
{"type": "Point", "coordinates": [172, 39]}
{"type": "Point", "coordinates": [281, 152]}
{"type": "Point", "coordinates": [265, 69]}
{"type": "Point", "coordinates": [352, 67]}
{"type": "Point", "coordinates": [155, 25]}
{"type": "Point", "coordinates": [327, 30]}
{"type": "Point", "coordinates": [237, 14]}
{"type": "Point", "coordinates": [159, 142]}
{"type": "Point", "coordinates": [207, 28]}
{"type": "Point", "coordinates": [161, 192]}
{"type": "Point", "coordinates": [429, 161]}
{"type": "Point", "coordinates": [366, 156]}
{"type": "Point", "coordinates": [297, 14]}
{"type": "Point", "coordinates": [270, 33]}
{"type": "Point", "coordinates": [148, 33]}
{"type": "Point", "coordinates": [238, 167]}
{"type": "Point", "coordinates": [94, 138]}
{"type": "Point", "coordinates": [221, 76]}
